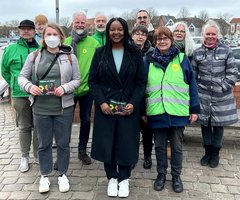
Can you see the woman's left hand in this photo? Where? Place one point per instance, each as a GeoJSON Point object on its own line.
{"type": "Point", "coordinates": [128, 109]}
{"type": "Point", "coordinates": [59, 91]}
{"type": "Point", "coordinates": [193, 118]}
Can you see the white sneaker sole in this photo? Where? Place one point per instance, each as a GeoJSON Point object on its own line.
{"type": "Point", "coordinates": [44, 190]}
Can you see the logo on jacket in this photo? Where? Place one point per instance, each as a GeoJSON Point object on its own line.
{"type": "Point", "coordinates": [175, 67]}
{"type": "Point", "coordinates": [84, 50]}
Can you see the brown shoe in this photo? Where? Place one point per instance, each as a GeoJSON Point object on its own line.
{"type": "Point", "coordinates": [86, 160]}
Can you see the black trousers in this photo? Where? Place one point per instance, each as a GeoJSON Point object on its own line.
{"type": "Point", "coordinates": [161, 137]}
{"type": "Point", "coordinates": [119, 172]}
{"type": "Point", "coordinates": [147, 138]}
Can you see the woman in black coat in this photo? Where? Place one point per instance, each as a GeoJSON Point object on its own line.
{"type": "Point", "coordinates": [117, 79]}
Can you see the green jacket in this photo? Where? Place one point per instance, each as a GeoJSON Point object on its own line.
{"type": "Point", "coordinates": [85, 50]}
{"type": "Point", "coordinates": [100, 37]}
{"type": "Point", "coordinates": [13, 59]}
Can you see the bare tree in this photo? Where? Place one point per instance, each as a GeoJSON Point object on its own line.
{"type": "Point", "coordinates": [65, 21]}
{"type": "Point", "coordinates": [152, 12]}
{"type": "Point", "coordinates": [203, 15]}
{"type": "Point", "coordinates": [183, 13]}
{"type": "Point", "coordinates": [14, 23]}
{"type": "Point", "coordinates": [226, 16]}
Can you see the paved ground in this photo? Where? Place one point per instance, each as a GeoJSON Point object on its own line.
{"type": "Point", "coordinates": [89, 182]}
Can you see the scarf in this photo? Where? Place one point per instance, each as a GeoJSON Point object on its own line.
{"type": "Point", "coordinates": [164, 59]}
{"type": "Point", "coordinates": [180, 45]}
{"type": "Point", "coordinates": [210, 46]}
{"type": "Point", "coordinates": [76, 38]}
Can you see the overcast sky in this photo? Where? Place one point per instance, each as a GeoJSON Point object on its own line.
{"type": "Point", "coordinates": [27, 9]}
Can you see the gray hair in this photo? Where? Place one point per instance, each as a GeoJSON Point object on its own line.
{"type": "Point", "coordinates": [213, 24]}
{"type": "Point", "coordinates": [79, 13]}
{"type": "Point", "coordinates": [189, 43]}
{"type": "Point", "coordinates": [100, 14]}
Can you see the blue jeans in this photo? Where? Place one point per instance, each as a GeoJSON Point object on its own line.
{"type": "Point", "coordinates": [161, 137]}
{"type": "Point", "coordinates": [85, 105]}
{"type": "Point", "coordinates": [61, 126]}
{"type": "Point", "coordinates": [212, 135]}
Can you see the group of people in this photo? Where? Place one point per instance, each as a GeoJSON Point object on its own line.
{"type": "Point", "coordinates": [155, 76]}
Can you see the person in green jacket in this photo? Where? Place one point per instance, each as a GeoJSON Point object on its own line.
{"type": "Point", "coordinates": [84, 47]}
{"type": "Point", "coordinates": [13, 60]}
{"type": "Point", "coordinates": [100, 23]}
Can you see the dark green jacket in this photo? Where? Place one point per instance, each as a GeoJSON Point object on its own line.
{"type": "Point", "coordinates": [13, 59]}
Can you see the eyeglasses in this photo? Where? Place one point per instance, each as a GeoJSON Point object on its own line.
{"type": "Point", "coordinates": [178, 31]}
{"type": "Point", "coordinates": [140, 34]}
{"type": "Point", "coordinates": [140, 17]}
{"type": "Point", "coordinates": [164, 39]}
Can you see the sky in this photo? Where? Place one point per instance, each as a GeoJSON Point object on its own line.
{"type": "Point", "coordinates": [28, 9]}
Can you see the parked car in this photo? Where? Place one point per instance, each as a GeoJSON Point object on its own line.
{"type": "Point", "coordinates": [4, 42]}
{"type": "Point", "coordinates": [12, 40]}
{"type": "Point", "coordinates": [236, 54]}
{"type": "Point", "coordinates": [198, 41]}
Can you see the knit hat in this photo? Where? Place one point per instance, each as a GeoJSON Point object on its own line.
{"type": "Point", "coordinates": [27, 23]}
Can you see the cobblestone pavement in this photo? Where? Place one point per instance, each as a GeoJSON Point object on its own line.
{"type": "Point", "coordinates": [89, 182]}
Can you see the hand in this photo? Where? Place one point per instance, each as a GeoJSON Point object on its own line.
{"type": "Point", "coordinates": [35, 90]}
{"type": "Point", "coordinates": [193, 118]}
{"type": "Point", "coordinates": [59, 91]}
{"type": "Point", "coordinates": [144, 118]}
{"type": "Point", "coordinates": [106, 109]}
{"type": "Point", "coordinates": [128, 109]}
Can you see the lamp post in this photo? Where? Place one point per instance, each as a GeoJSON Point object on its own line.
{"type": "Point", "coordinates": [86, 10]}
{"type": "Point", "coordinates": [57, 11]}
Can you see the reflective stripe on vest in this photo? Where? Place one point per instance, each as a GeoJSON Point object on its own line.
{"type": "Point", "coordinates": [167, 92]}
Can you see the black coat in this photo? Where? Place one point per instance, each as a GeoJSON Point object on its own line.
{"type": "Point", "coordinates": [116, 138]}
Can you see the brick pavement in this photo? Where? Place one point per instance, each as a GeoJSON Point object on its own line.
{"type": "Point", "coordinates": [89, 182]}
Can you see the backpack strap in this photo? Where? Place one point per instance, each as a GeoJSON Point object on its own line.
{"type": "Point", "coordinates": [69, 58]}
{"type": "Point", "coordinates": [36, 54]}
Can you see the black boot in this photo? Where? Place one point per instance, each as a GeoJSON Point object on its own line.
{"type": "Point", "coordinates": [177, 184]}
{"type": "Point", "coordinates": [207, 157]}
{"type": "Point", "coordinates": [215, 157]}
{"type": "Point", "coordinates": [147, 164]}
{"type": "Point", "coordinates": [159, 182]}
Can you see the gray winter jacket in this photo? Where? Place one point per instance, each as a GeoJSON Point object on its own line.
{"type": "Point", "coordinates": [70, 76]}
{"type": "Point", "coordinates": [216, 74]}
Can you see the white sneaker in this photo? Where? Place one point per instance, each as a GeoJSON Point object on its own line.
{"type": "Point", "coordinates": [63, 183]}
{"type": "Point", "coordinates": [24, 166]}
{"type": "Point", "coordinates": [44, 184]}
{"type": "Point", "coordinates": [123, 190]}
{"type": "Point", "coordinates": [112, 190]}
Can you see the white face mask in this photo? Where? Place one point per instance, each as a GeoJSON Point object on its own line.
{"type": "Point", "coordinates": [52, 41]}
{"type": "Point", "coordinates": [79, 31]}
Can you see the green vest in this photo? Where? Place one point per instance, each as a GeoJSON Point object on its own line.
{"type": "Point", "coordinates": [166, 91]}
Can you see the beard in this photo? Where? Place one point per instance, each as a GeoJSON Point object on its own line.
{"type": "Point", "coordinates": [79, 31]}
{"type": "Point", "coordinates": [100, 29]}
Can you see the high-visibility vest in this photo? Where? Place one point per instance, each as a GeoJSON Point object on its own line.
{"type": "Point", "coordinates": [166, 91]}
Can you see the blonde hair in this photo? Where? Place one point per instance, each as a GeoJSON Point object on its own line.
{"type": "Point", "coordinates": [42, 19]}
{"type": "Point", "coordinates": [214, 24]}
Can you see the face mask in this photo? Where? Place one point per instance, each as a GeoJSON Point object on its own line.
{"type": "Point", "coordinates": [79, 31]}
{"type": "Point", "coordinates": [52, 41]}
